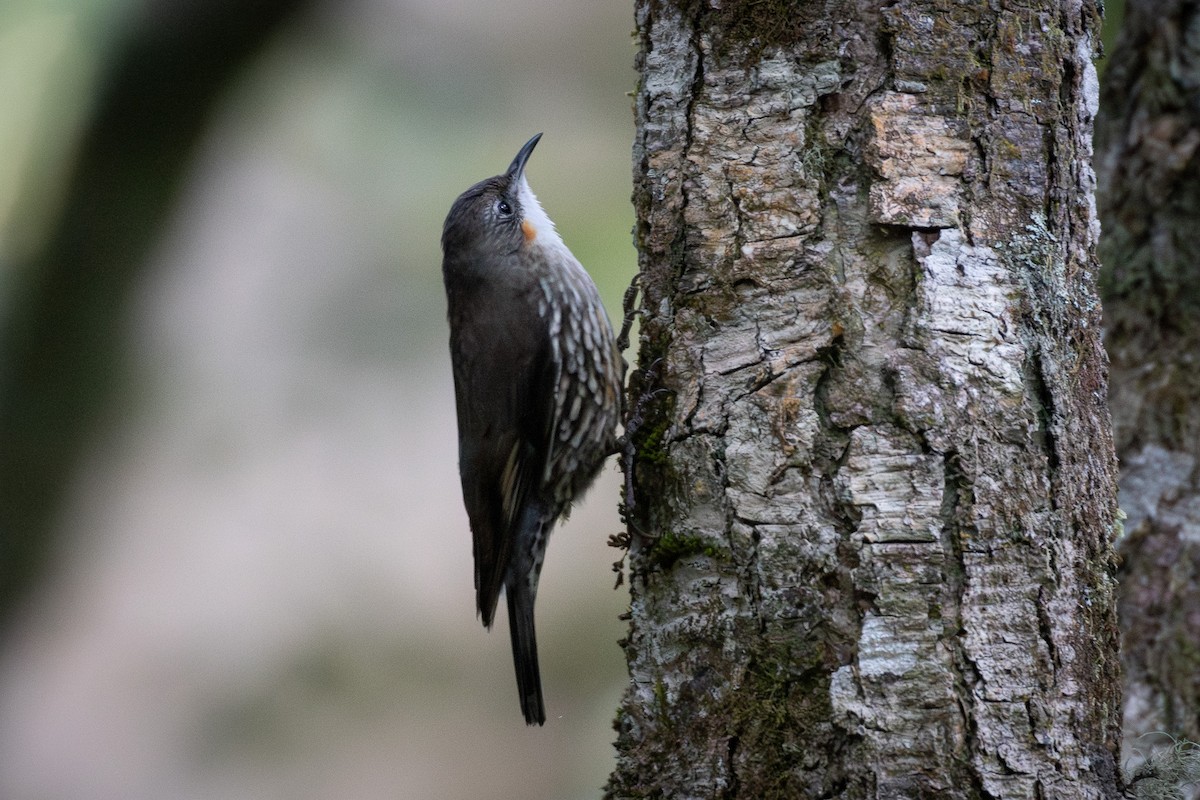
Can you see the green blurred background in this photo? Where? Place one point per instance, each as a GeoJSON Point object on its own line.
{"type": "Point", "coordinates": [252, 576]}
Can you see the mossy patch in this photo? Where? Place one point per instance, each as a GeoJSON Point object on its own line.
{"type": "Point", "coordinates": [671, 546]}
{"type": "Point", "coordinates": [651, 441]}
{"type": "Point", "coordinates": [781, 715]}
{"type": "Point", "coordinates": [749, 27]}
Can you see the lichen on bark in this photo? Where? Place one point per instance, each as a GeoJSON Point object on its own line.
{"type": "Point", "coordinates": [870, 353]}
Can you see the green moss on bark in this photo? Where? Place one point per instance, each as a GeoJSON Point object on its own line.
{"type": "Point", "coordinates": [748, 27]}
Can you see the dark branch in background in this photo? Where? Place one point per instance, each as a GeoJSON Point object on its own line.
{"type": "Point", "coordinates": [60, 352]}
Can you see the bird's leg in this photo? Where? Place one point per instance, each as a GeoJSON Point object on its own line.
{"type": "Point", "coordinates": [629, 314]}
{"type": "Point", "coordinates": [627, 451]}
{"type": "Point", "coordinates": [629, 310]}
{"type": "Point", "coordinates": [624, 445]}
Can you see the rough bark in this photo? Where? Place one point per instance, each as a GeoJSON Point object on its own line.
{"type": "Point", "coordinates": [874, 489]}
{"type": "Point", "coordinates": [1149, 179]}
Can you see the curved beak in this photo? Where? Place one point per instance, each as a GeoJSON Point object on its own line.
{"type": "Point", "coordinates": [517, 167]}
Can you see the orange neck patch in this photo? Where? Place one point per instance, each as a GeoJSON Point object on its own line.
{"type": "Point", "coordinates": [528, 229]}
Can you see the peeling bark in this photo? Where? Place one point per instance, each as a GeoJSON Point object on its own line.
{"type": "Point", "coordinates": [874, 491]}
{"type": "Point", "coordinates": [1149, 174]}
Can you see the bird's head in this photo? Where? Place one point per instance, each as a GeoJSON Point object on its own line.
{"type": "Point", "coordinates": [499, 215]}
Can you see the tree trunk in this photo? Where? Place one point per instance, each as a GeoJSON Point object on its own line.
{"type": "Point", "coordinates": [874, 485]}
{"type": "Point", "coordinates": [1149, 175]}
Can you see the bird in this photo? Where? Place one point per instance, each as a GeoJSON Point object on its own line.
{"type": "Point", "coordinates": [538, 393]}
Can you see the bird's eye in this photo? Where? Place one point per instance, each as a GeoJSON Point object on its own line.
{"type": "Point", "coordinates": [504, 208]}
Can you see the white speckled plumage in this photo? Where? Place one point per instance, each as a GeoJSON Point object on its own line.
{"type": "Point", "coordinates": [537, 387]}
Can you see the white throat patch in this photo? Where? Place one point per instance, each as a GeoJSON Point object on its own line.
{"type": "Point", "coordinates": [544, 233]}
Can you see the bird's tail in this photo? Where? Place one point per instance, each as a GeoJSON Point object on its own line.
{"type": "Point", "coordinates": [520, 590]}
{"type": "Point", "coordinates": [520, 593]}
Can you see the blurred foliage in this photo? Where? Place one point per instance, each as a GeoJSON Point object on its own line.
{"type": "Point", "coordinates": [1114, 13]}
{"type": "Point", "coordinates": [60, 351]}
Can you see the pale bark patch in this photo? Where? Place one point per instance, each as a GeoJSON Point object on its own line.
{"type": "Point", "coordinates": [919, 157]}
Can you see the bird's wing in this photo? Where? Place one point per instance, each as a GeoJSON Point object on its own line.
{"type": "Point", "coordinates": [587, 393]}
{"type": "Point", "coordinates": [504, 398]}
